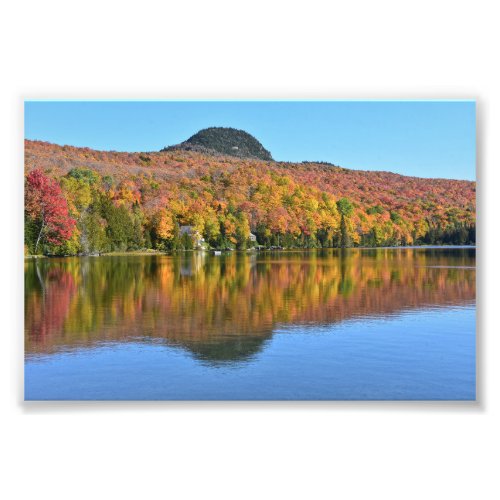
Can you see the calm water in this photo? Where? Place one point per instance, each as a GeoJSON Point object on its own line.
{"type": "Point", "coordinates": [358, 324]}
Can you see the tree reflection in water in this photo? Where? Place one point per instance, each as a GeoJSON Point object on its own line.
{"type": "Point", "coordinates": [224, 308]}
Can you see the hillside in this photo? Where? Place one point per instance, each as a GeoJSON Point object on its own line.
{"type": "Point", "coordinates": [224, 141]}
{"type": "Point", "coordinates": [136, 200]}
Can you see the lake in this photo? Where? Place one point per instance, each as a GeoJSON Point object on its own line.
{"type": "Point", "coordinates": [356, 324]}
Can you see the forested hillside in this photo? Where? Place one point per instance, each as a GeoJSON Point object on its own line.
{"type": "Point", "coordinates": [83, 201]}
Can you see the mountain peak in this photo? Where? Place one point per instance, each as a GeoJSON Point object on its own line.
{"type": "Point", "coordinates": [225, 141]}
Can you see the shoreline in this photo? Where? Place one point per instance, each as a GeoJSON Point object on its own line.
{"type": "Point", "coordinates": [139, 253]}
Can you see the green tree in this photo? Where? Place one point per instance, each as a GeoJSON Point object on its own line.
{"type": "Point", "coordinates": [345, 209]}
{"type": "Point", "coordinates": [83, 174]}
{"type": "Point", "coordinates": [186, 241]}
{"type": "Point", "coordinates": [120, 226]}
{"type": "Point", "coordinates": [176, 235]}
{"type": "Point", "coordinates": [242, 231]}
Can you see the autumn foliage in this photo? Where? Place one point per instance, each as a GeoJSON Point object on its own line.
{"type": "Point", "coordinates": [124, 201]}
{"type": "Point", "coordinates": [47, 209]}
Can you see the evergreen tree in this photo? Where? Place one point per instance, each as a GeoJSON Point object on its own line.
{"type": "Point", "coordinates": [345, 209]}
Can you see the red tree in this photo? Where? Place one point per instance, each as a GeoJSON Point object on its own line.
{"type": "Point", "coordinates": [45, 203]}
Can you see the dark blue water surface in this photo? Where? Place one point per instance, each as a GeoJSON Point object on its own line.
{"type": "Point", "coordinates": [387, 324]}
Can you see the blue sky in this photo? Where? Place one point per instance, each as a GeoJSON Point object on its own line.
{"type": "Point", "coordinates": [421, 138]}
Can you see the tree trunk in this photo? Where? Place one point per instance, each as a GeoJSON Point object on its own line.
{"type": "Point", "coordinates": [39, 236]}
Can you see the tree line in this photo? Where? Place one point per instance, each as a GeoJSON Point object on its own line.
{"type": "Point", "coordinates": [83, 212]}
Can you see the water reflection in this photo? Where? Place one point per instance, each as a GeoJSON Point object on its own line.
{"type": "Point", "coordinates": [224, 308]}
